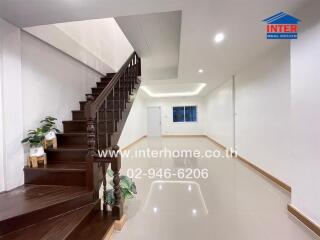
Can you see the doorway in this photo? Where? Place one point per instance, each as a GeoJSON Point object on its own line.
{"type": "Point", "coordinates": [154, 121]}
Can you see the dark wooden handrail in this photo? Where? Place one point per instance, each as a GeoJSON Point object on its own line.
{"type": "Point", "coordinates": [99, 101]}
{"type": "Point", "coordinates": [103, 114]}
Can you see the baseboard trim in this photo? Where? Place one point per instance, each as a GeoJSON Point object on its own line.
{"type": "Point", "coordinates": [256, 168]}
{"type": "Point", "coordinates": [265, 174]}
{"type": "Point", "coordinates": [187, 136]}
{"type": "Point", "coordinates": [305, 220]}
{"type": "Point", "coordinates": [108, 235]}
{"type": "Point", "coordinates": [215, 142]}
{"type": "Point", "coordinates": [131, 144]}
{"type": "Point", "coordinates": [118, 225]}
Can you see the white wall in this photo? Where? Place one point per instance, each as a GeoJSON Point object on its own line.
{"type": "Point", "coordinates": [11, 119]}
{"type": "Point", "coordinates": [259, 115]}
{"type": "Point", "coordinates": [305, 85]}
{"type": "Point", "coordinates": [262, 103]}
{"type": "Point", "coordinates": [136, 124]}
{"type": "Point", "coordinates": [106, 40]}
{"type": "Point", "coordinates": [53, 82]}
{"type": "Point", "coordinates": [99, 43]}
{"type": "Point", "coordinates": [220, 114]}
{"type": "Point", "coordinates": [60, 40]}
{"type": "Point", "coordinates": [167, 124]}
{"type": "Point", "coordinates": [2, 170]}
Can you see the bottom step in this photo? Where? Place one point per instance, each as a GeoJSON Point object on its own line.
{"type": "Point", "coordinates": [57, 228]}
{"type": "Point", "coordinates": [32, 204]}
{"type": "Point", "coordinates": [97, 226]}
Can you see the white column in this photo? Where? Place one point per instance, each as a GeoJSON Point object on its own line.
{"type": "Point", "coordinates": [11, 118]}
{"type": "Point", "coordinates": [2, 172]}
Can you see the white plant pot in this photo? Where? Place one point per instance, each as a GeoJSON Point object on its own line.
{"type": "Point", "coordinates": [50, 135]}
{"type": "Point", "coordinates": [36, 151]}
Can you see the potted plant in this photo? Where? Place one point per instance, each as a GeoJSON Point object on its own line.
{"type": "Point", "coordinates": [49, 129]}
{"type": "Point", "coordinates": [127, 187]}
{"type": "Point", "coordinates": [35, 138]}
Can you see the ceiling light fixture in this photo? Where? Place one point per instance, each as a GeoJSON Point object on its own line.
{"type": "Point", "coordinates": [174, 94]}
{"type": "Point", "coordinates": [200, 70]}
{"type": "Point", "coordinates": [219, 37]}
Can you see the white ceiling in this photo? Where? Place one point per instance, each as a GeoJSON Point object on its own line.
{"type": "Point", "coordinates": [156, 37]}
{"type": "Point", "coordinates": [240, 20]}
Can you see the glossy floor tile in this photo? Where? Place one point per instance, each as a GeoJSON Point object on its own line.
{"type": "Point", "coordinates": [231, 202]}
{"type": "Point", "coordinates": [192, 205]}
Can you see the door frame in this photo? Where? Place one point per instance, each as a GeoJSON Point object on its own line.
{"type": "Point", "coordinates": [160, 110]}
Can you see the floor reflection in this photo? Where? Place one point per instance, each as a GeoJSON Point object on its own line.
{"type": "Point", "coordinates": [176, 198]}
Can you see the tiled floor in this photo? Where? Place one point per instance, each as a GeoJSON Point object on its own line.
{"type": "Point", "coordinates": [233, 203]}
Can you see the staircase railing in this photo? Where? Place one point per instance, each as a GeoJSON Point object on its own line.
{"type": "Point", "coordinates": [102, 115]}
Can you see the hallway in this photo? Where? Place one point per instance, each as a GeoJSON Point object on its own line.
{"type": "Point", "coordinates": [238, 203]}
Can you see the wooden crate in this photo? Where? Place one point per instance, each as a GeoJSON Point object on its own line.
{"type": "Point", "coordinates": [50, 143]}
{"type": "Point", "coordinates": [33, 161]}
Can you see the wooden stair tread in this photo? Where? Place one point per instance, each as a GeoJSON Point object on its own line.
{"type": "Point", "coordinates": [68, 148]}
{"type": "Point", "coordinates": [83, 121]}
{"type": "Point", "coordinates": [72, 134]}
{"type": "Point", "coordinates": [67, 167]}
{"type": "Point", "coordinates": [73, 146]}
{"type": "Point", "coordinates": [56, 228]}
{"type": "Point", "coordinates": [95, 227]}
{"type": "Point", "coordinates": [30, 198]}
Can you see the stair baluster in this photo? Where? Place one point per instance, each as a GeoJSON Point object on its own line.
{"type": "Point", "coordinates": [117, 94]}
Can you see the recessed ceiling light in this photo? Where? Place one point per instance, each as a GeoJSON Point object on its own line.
{"type": "Point", "coordinates": [200, 70]}
{"type": "Point", "coordinates": [219, 37]}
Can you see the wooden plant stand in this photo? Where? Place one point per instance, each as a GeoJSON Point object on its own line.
{"type": "Point", "coordinates": [50, 143]}
{"type": "Point", "coordinates": [33, 161]}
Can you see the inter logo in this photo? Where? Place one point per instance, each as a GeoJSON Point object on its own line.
{"type": "Point", "coordinates": [282, 26]}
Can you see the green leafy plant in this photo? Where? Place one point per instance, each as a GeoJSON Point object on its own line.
{"type": "Point", "coordinates": [48, 125]}
{"type": "Point", "coordinates": [34, 137]}
{"type": "Point", "coordinates": [127, 187]}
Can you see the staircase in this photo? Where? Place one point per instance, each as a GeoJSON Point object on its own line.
{"type": "Point", "coordinates": [61, 200]}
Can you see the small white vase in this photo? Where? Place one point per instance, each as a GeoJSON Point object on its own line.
{"type": "Point", "coordinates": [36, 151]}
{"type": "Point", "coordinates": [50, 135]}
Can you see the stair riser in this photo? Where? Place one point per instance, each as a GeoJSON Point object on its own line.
{"type": "Point", "coordinates": [76, 115]}
{"type": "Point", "coordinates": [123, 97]}
{"type": "Point", "coordinates": [66, 156]}
{"type": "Point", "coordinates": [99, 90]}
{"type": "Point", "coordinates": [120, 97]}
{"type": "Point", "coordinates": [72, 127]}
{"type": "Point", "coordinates": [110, 75]}
{"type": "Point", "coordinates": [67, 141]}
{"type": "Point", "coordinates": [110, 104]}
{"type": "Point", "coordinates": [55, 177]}
{"type": "Point", "coordinates": [73, 140]}
{"type": "Point", "coordinates": [115, 104]}
{"type": "Point", "coordinates": [82, 105]}
{"type": "Point", "coordinates": [103, 84]}
{"type": "Point", "coordinates": [44, 213]}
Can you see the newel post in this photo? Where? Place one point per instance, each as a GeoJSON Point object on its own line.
{"type": "Point", "coordinates": [117, 208]}
{"type": "Point", "coordinates": [91, 141]}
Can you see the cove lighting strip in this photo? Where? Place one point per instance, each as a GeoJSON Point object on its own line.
{"type": "Point", "coordinates": [174, 94]}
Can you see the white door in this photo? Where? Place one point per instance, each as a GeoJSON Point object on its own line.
{"type": "Point", "coordinates": [154, 121]}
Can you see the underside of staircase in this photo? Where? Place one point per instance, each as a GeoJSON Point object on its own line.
{"type": "Point", "coordinates": [57, 201]}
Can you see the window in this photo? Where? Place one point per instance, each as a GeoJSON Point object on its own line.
{"type": "Point", "coordinates": [184, 114]}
